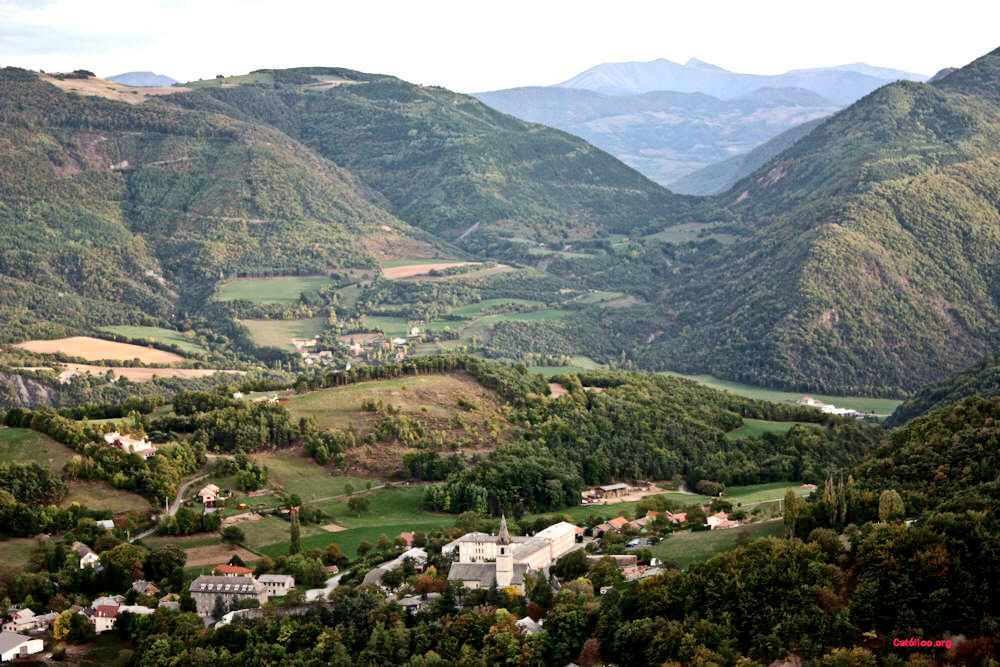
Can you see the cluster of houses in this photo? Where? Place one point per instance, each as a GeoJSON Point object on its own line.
{"type": "Point", "coordinates": [306, 347]}
{"type": "Point", "coordinates": [142, 447]}
{"type": "Point", "coordinates": [363, 346]}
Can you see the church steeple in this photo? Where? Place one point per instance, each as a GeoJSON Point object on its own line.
{"type": "Point", "coordinates": [505, 556]}
{"type": "Point", "coordinates": [504, 533]}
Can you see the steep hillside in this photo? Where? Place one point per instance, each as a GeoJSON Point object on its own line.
{"type": "Point", "coordinates": [665, 135]}
{"type": "Point", "coordinates": [981, 379]}
{"type": "Point", "coordinates": [719, 177]}
{"type": "Point", "coordinates": [873, 261]}
{"type": "Point", "coordinates": [445, 162]}
{"type": "Point", "coordinates": [141, 208]}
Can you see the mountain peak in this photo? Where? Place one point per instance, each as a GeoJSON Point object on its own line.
{"type": "Point", "coordinates": [142, 79]}
{"type": "Point", "coordinates": [701, 64]}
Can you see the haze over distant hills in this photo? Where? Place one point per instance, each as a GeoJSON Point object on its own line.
{"type": "Point", "coordinates": [841, 84]}
{"type": "Point", "coordinates": [669, 120]}
{"type": "Point", "coordinates": [142, 79]}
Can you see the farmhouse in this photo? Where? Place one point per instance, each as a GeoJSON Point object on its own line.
{"type": "Point", "coordinates": [209, 494]}
{"type": "Point", "coordinates": [205, 589]}
{"type": "Point", "coordinates": [143, 587]}
{"type": "Point", "coordinates": [87, 556]}
{"type": "Point", "coordinates": [102, 617]}
{"type": "Point", "coordinates": [143, 448]}
{"type": "Point", "coordinates": [277, 584]}
{"type": "Point", "coordinates": [721, 520]}
{"type": "Point", "coordinates": [20, 621]}
{"type": "Point", "coordinates": [106, 524]}
{"type": "Point", "coordinates": [14, 646]}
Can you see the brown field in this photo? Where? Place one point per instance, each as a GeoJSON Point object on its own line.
{"type": "Point", "coordinates": [96, 349]}
{"type": "Point", "coordinates": [108, 89]}
{"type": "Point", "coordinates": [142, 374]}
{"type": "Point", "coordinates": [332, 528]}
{"type": "Point", "coordinates": [556, 390]}
{"type": "Point", "coordinates": [97, 495]}
{"type": "Point", "coordinates": [416, 269]}
{"type": "Point", "coordinates": [499, 268]}
{"type": "Point", "coordinates": [214, 554]}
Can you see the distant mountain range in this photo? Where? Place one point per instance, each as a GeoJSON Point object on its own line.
{"type": "Point", "coordinates": [666, 135]}
{"type": "Point", "coordinates": [841, 84]}
{"type": "Point", "coordinates": [669, 120]}
{"type": "Point", "coordinates": [142, 79]}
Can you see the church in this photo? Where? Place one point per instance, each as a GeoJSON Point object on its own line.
{"type": "Point", "coordinates": [504, 571]}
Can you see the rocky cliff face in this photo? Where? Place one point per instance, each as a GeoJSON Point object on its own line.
{"type": "Point", "coordinates": [19, 391]}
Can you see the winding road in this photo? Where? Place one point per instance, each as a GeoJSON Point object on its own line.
{"type": "Point", "coordinates": [174, 506]}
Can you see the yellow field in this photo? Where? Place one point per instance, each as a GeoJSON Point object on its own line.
{"type": "Point", "coordinates": [96, 349]}
{"type": "Point", "coordinates": [145, 374]}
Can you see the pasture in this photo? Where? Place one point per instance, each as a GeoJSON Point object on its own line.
{"type": "Point", "coordinates": [271, 290]}
{"type": "Point", "coordinates": [22, 445]}
{"type": "Point", "coordinates": [97, 349]}
{"type": "Point", "coordinates": [158, 335]}
{"type": "Point", "coordinates": [475, 309]}
{"type": "Point", "coordinates": [686, 547]}
{"type": "Point", "coordinates": [758, 427]}
{"type": "Point", "coordinates": [101, 495]}
{"type": "Point", "coordinates": [279, 333]}
{"type": "Point", "coordinates": [878, 406]}
{"type": "Point", "coordinates": [401, 270]}
{"type": "Point", "coordinates": [16, 550]}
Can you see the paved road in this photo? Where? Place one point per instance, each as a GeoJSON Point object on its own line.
{"type": "Point", "coordinates": [174, 506]}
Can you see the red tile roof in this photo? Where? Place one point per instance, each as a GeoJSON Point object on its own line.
{"type": "Point", "coordinates": [106, 611]}
{"type": "Point", "coordinates": [231, 569]}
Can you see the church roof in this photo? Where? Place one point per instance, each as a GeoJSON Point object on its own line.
{"type": "Point", "coordinates": [504, 534]}
{"type": "Point", "coordinates": [485, 573]}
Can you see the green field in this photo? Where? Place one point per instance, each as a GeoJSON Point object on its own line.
{"type": "Point", "coordinates": [756, 493]}
{"type": "Point", "coordinates": [691, 231]}
{"type": "Point", "coordinates": [879, 406]}
{"type": "Point", "coordinates": [22, 445]}
{"type": "Point", "coordinates": [392, 511]}
{"type": "Point", "coordinates": [688, 547]}
{"type": "Point", "coordinates": [157, 335]}
{"type": "Point", "coordinates": [16, 550]}
{"type": "Point", "coordinates": [597, 297]}
{"type": "Point", "coordinates": [279, 333]}
{"type": "Point", "coordinates": [101, 495]}
{"type": "Point", "coordinates": [475, 309]}
{"type": "Point", "coordinates": [580, 364]}
{"type": "Point", "coordinates": [306, 478]}
{"type": "Point", "coordinates": [483, 324]}
{"type": "Point", "coordinates": [274, 530]}
{"type": "Point", "coordinates": [271, 290]}
{"type": "Point", "coordinates": [393, 263]}
{"type": "Point", "coordinates": [760, 427]}
{"type": "Point", "coordinates": [393, 327]}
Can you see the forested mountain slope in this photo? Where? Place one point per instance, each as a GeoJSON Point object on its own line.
{"type": "Point", "coordinates": [445, 162]}
{"type": "Point", "coordinates": [872, 264]}
{"type": "Point", "coordinates": [144, 207]}
{"type": "Point", "coordinates": [981, 379]}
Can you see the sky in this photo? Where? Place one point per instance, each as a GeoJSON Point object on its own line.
{"type": "Point", "coordinates": [472, 46]}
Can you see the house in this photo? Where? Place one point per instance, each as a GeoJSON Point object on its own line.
{"type": "Point", "coordinates": [277, 584]}
{"type": "Point", "coordinates": [102, 617]}
{"type": "Point", "coordinates": [143, 587]}
{"type": "Point", "coordinates": [209, 494]}
{"type": "Point", "coordinates": [106, 524]}
{"type": "Point", "coordinates": [529, 626]}
{"type": "Point", "coordinates": [616, 524]}
{"type": "Point", "coordinates": [143, 447]}
{"type": "Point", "coordinates": [675, 519]}
{"type": "Point", "coordinates": [413, 333]}
{"type": "Point", "coordinates": [13, 645]}
{"type": "Point", "coordinates": [112, 600]}
{"type": "Point", "coordinates": [503, 571]}
{"type": "Point", "coordinates": [206, 589]}
{"type": "Point", "coordinates": [721, 520]}
{"type": "Point", "coordinates": [232, 571]}
{"type": "Point", "coordinates": [87, 556]}
{"type": "Point", "coordinates": [415, 603]}
{"type": "Point", "coordinates": [137, 609]}
{"type": "Point", "coordinates": [21, 621]}
{"type": "Point", "coordinates": [331, 569]}
{"type": "Point", "coordinates": [612, 490]}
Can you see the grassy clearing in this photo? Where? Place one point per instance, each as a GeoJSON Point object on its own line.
{"type": "Point", "coordinates": [306, 478]}
{"type": "Point", "coordinates": [691, 231]}
{"type": "Point", "coordinates": [157, 335]}
{"type": "Point", "coordinates": [549, 371]}
{"type": "Point", "coordinates": [340, 407]}
{"type": "Point", "coordinates": [274, 530]}
{"type": "Point", "coordinates": [485, 323]}
{"type": "Point", "coordinates": [688, 547]}
{"type": "Point", "coordinates": [475, 309]}
{"type": "Point", "coordinates": [759, 427]}
{"type": "Point", "coordinates": [279, 333]}
{"type": "Point", "coordinates": [271, 290]}
{"type": "Point", "coordinates": [394, 327]}
{"type": "Point", "coordinates": [22, 445]}
{"type": "Point", "coordinates": [101, 495]}
{"type": "Point", "coordinates": [259, 77]}
{"type": "Point", "coordinates": [597, 297]}
{"type": "Point", "coordinates": [756, 493]}
{"type": "Point", "coordinates": [16, 550]}
{"type": "Point", "coordinates": [880, 406]}
{"type": "Point", "coordinates": [393, 510]}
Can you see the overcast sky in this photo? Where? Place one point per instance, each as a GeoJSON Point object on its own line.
{"type": "Point", "coordinates": [472, 46]}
